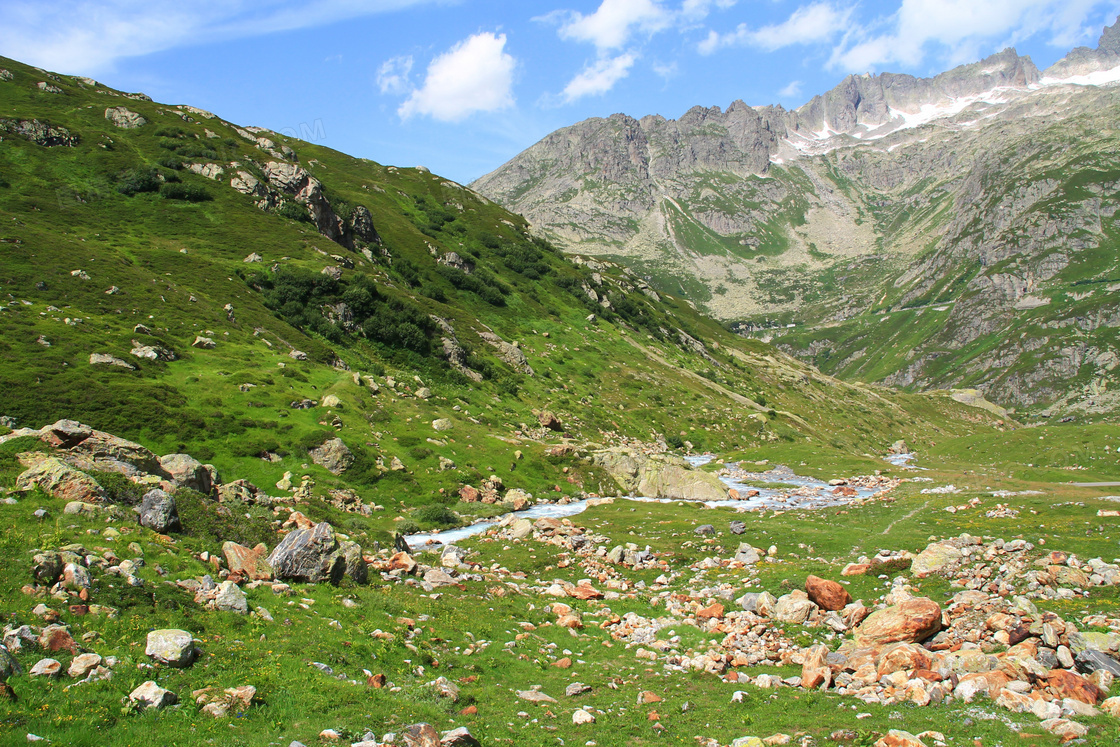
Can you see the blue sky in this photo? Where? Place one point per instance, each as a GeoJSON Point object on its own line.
{"type": "Point", "coordinates": [461, 86]}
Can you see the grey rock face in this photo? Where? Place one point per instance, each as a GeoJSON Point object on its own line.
{"type": "Point", "coordinates": [333, 455]}
{"type": "Point", "coordinates": [124, 118]}
{"type": "Point", "coordinates": [187, 472]}
{"type": "Point", "coordinates": [172, 647]}
{"type": "Point", "coordinates": [39, 133]}
{"type": "Point", "coordinates": [158, 512]}
{"type": "Point", "coordinates": [316, 556]}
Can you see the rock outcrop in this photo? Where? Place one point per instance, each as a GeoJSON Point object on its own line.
{"type": "Point", "coordinates": [316, 556]}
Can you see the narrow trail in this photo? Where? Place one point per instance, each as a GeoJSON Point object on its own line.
{"type": "Point", "coordinates": [904, 518]}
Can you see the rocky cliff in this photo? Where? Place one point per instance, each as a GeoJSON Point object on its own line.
{"type": "Point", "coordinates": [977, 206]}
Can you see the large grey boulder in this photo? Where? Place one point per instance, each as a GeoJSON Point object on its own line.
{"type": "Point", "coordinates": [158, 512]}
{"type": "Point", "coordinates": [333, 455]}
{"type": "Point", "coordinates": [231, 598]}
{"type": "Point", "coordinates": [315, 555]}
{"type": "Point", "coordinates": [172, 647]}
{"type": "Point", "coordinates": [124, 118]}
{"type": "Point", "coordinates": [187, 472]}
{"type": "Point", "coordinates": [659, 476]}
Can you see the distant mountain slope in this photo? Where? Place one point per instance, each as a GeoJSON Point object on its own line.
{"type": "Point", "coordinates": [245, 297]}
{"type": "Point", "coordinates": [988, 189]}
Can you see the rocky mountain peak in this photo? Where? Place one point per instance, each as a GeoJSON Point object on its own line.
{"type": "Point", "coordinates": [1110, 38]}
{"type": "Point", "coordinates": [1086, 61]}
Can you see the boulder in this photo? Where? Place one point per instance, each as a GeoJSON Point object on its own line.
{"type": "Point", "coordinates": [75, 577]}
{"type": "Point", "coordinates": [83, 664]}
{"type": "Point", "coordinates": [794, 607]}
{"type": "Point", "coordinates": [220, 703]}
{"type": "Point", "coordinates": [158, 512]}
{"type": "Point", "coordinates": [46, 668]}
{"type": "Point", "coordinates": [1065, 684]}
{"type": "Point", "coordinates": [187, 472]}
{"type": "Point", "coordinates": [828, 595]}
{"type": "Point", "coordinates": [420, 735]}
{"type": "Point", "coordinates": [248, 563]}
{"type": "Point", "coordinates": [908, 622]}
{"type": "Point", "coordinates": [124, 118]}
{"type": "Point", "coordinates": [747, 554]}
{"type": "Point", "coordinates": [174, 648]}
{"type": "Point", "coordinates": [151, 695]}
{"type": "Point", "coordinates": [203, 343]}
{"type": "Point", "coordinates": [935, 557]}
{"type": "Point", "coordinates": [899, 738]}
{"type": "Point", "coordinates": [230, 598]}
{"type": "Point", "coordinates": [659, 475]}
{"type": "Point", "coordinates": [314, 556]}
{"type": "Point", "coordinates": [549, 420]}
{"type": "Point", "coordinates": [104, 359]}
{"type": "Point", "coordinates": [65, 433]}
{"type": "Point", "coordinates": [60, 480]}
{"type": "Point", "coordinates": [46, 567]}
{"type": "Point", "coordinates": [333, 456]}
{"type": "Point", "coordinates": [460, 737]}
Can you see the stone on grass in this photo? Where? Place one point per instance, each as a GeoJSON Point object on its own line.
{"type": "Point", "coordinates": [535, 696]}
{"type": "Point", "coordinates": [911, 621]}
{"type": "Point", "coordinates": [315, 555]}
{"type": "Point", "coordinates": [83, 664]}
{"type": "Point", "coordinates": [47, 668]}
{"type": "Point", "coordinates": [828, 595]}
{"type": "Point", "coordinates": [172, 647]}
{"type": "Point", "coordinates": [332, 455]}
{"type": "Point", "coordinates": [420, 735]}
{"type": "Point", "coordinates": [251, 563]}
{"type": "Point", "coordinates": [1064, 728]}
{"type": "Point", "coordinates": [158, 512]}
{"type": "Point", "coordinates": [230, 598]}
{"type": "Point", "coordinates": [187, 472]}
{"type": "Point", "coordinates": [59, 480]}
{"type": "Point", "coordinates": [899, 738]}
{"type": "Point", "coordinates": [582, 717]}
{"type": "Point", "coordinates": [460, 737]}
{"type": "Point", "coordinates": [151, 695]}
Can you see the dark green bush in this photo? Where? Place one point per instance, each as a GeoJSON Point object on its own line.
{"type": "Point", "coordinates": [137, 180]}
{"type": "Point", "coordinates": [208, 520]}
{"type": "Point", "coordinates": [437, 514]}
{"type": "Point", "coordinates": [186, 192]}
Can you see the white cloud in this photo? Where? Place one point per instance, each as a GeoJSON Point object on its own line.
{"type": "Point", "coordinates": [392, 76]}
{"type": "Point", "coordinates": [809, 24]}
{"type": "Point", "coordinates": [599, 77]}
{"type": "Point", "coordinates": [476, 75]}
{"type": "Point", "coordinates": [612, 24]}
{"type": "Point", "coordinates": [793, 90]}
{"type": "Point", "coordinates": [89, 36]}
{"type": "Point", "coordinates": [698, 10]}
{"type": "Point", "coordinates": [960, 28]}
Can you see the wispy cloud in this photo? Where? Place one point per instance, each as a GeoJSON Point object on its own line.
{"type": "Point", "coordinates": [958, 29]}
{"type": "Point", "coordinates": [392, 75]}
{"type": "Point", "coordinates": [89, 36]}
{"type": "Point", "coordinates": [476, 75]}
{"type": "Point", "coordinates": [612, 24]}
{"type": "Point", "coordinates": [599, 77]}
{"type": "Point", "coordinates": [808, 24]}
{"type": "Point", "coordinates": [792, 91]}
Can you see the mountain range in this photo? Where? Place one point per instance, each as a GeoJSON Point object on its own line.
{"type": "Point", "coordinates": [921, 232]}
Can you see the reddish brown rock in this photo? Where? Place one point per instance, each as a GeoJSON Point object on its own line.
{"type": "Point", "coordinates": [58, 479]}
{"type": "Point", "coordinates": [897, 738]}
{"type": "Point", "coordinates": [647, 696]}
{"type": "Point", "coordinates": [908, 622]}
{"type": "Point", "coordinates": [845, 491]}
{"type": "Point", "coordinates": [855, 569]}
{"type": "Point", "coordinates": [904, 657]}
{"type": "Point", "coordinates": [828, 595]}
{"type": "Point", "coordinates": [1069, 685]}
{"type": "Point", "coordinates": [564, 663]}
{"type": "Point", "coordinates": [402, 561]}
{"type": "Point", "coordinates": [57, 638]}
{"type": "Point", "coordinates": [712, 611]}
{"type": "Point", "coordinates": [583, 591]}
{"type": "Point", "coordinates": [468, 494]}
{"type": "Point", "coordinates": [248, 563]}
{"type": "Point", "coordinates": [550, 421]}
{"type": "Point", "coordinates": [297, 520]}
{"type": "Point", "coordinates": [377, 681]}
{"type": "Point", "coordinates": [815, 671]}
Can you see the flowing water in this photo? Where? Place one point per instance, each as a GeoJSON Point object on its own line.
{"type": "Point", "coordinates": [790, 491]}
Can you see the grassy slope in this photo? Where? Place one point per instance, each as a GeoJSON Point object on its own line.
{"type": "Point", "coordinates": [601, 385]}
